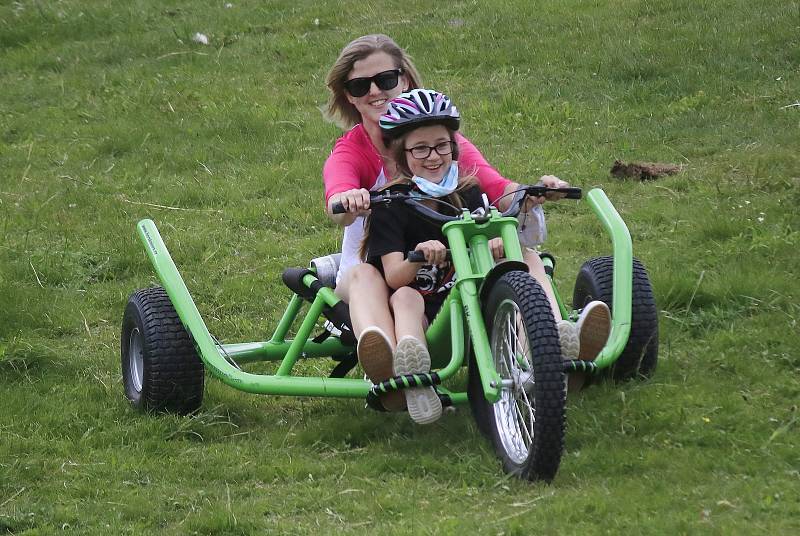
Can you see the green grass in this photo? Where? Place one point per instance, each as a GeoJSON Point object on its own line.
{"type": "Point", "coordinates": [109, 113]}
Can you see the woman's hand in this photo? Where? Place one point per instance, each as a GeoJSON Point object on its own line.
{"type": "Point", "coordinates": [551, 181]}
{"type": "Point", "coordinates": [355, 202]}
{"type": "Point", "coordinates": [435, 252]}
{"type": "Point", "coordinates": [496, 245]}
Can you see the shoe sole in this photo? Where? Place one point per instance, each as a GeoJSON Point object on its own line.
{"type": "Point", "coordinates": [568, 337]}
{"type": "Point", "coordinates": [412, 357]}
{"type": "Point", "coordinates": [375, 356]}
{"type": "Point", "coordinates": [570, 345]}
{"type": "Point", "coordinates": [593, 332]}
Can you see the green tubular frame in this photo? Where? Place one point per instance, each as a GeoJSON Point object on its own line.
{"type": "Point", "coordinates": [462, 303]}
{"type": "Point", "coordinates": [214, 357]}
{"type": "Point", "coordinates": [472, 268]}
{"type": "Point", "coordinates": [622, 277]}
{"type": "Point", "coordinates": [288, 352]}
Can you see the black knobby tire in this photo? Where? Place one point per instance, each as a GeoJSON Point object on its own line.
{"type": "Point", "coordinates": [477, 402]}
{"type": "Point", "coordinates": [161, 370]}
{"type": "Point", "coordinates": [527, 424]}
{"type": "Point", "coordinates": [595, 282]}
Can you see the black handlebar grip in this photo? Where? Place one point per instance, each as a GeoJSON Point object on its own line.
{"type": "Point", "coordinates": [374, 199]}
{"type": "Point", "coordinates": [418, 256]}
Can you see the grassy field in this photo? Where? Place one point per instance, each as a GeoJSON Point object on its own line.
{"type": "Point", "coordinates": [110, 112]}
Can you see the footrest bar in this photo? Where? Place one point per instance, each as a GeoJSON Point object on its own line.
{"type": "Point", "coordinates": [406, 381]}
{"type": "Point", "coordinates": [578, 365]}
{"type": "Point", "coordinates": [374, 402]}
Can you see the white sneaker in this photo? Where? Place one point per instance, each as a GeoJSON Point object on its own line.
{"type": "Point", "coordinates": [411, 357]}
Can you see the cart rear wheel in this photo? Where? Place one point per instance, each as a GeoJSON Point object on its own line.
{"type": "Point", "coordinates": [527, 424]}
{"type": "Point", "coordinates": [595, 282]}
{"type": "Point", "coordinates": [161, 370]}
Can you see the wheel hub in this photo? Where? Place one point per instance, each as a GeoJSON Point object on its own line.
{"type": "Point", "coordinates": [136, 361]}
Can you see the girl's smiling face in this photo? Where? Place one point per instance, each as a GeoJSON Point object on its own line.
{"type": "Point", "coordinates": [375, 103]}
{"type": "Point", "coordinates": [434, 139]}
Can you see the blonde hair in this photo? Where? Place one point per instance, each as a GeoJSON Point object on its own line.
{"type": "Point", "coordinates": [338, 109]}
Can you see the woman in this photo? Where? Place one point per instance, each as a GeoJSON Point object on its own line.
{"type": "Point", "coordinates": [369, 72]}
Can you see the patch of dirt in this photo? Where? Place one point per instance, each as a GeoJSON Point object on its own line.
{"type": "Point", "coordinates": [643, 171]}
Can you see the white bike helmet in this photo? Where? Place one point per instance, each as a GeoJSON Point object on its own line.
{"type": "Point", "coordinates": [416, 108]}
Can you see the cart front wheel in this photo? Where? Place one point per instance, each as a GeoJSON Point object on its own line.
{"type": "Point", "coordinates": [526, 425]}
{"type": "Point", "coordinates": [161, 370]}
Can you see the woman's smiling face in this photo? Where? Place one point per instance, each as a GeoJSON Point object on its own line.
{"type": "Point", "coordinates": [375, 103]}
{"type": "Point", "coordinates": [436, 165]}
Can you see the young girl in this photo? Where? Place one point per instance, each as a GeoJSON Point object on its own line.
{"type": "Point", "coordinates": [419, 129]}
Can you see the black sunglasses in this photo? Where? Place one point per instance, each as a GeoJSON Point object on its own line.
{"type": "Point", "coordinates": [358, 87]}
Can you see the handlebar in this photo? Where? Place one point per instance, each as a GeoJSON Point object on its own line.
{"type": "Point", "coordinates": [379, 199]}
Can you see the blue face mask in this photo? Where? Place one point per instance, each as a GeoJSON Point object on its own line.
{"type": "Point", "coordinates": [446, 186]}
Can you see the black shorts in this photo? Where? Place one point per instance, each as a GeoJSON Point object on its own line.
{"type": "Point", "coordinates": [433, 302]}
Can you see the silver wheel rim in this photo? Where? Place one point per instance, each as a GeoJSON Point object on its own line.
{"type": "Point", "coordinates": [514, 413]}
{"type": "Point", "coordinates": [135, 359]}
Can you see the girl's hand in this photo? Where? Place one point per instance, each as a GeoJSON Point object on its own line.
{"type": "Point", "coordinates": [496, 245]}
{"type": "Point", "coordinates": [435, 252]}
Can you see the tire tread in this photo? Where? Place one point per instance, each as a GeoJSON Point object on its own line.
{"type": "Point", "coordinates": [547, 447]}
{"type": "Point", "coordinates": [173, 378]}
{"type": "Point", "coordinates": [640, 355]}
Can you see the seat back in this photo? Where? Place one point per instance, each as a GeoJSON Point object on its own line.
{"type": "Point", "coordinates": [326, 268]}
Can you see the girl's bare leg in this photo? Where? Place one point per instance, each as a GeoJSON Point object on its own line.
{"type": "Point", "coordinates": [411, 355]}
{"type": "Point", "coordinates": [408, 308]}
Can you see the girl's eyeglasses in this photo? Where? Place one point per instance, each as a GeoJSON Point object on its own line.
{"type": "Point", "coordinates": [421, 152]}
{"type": "Point", "coordinates": [358, 87]}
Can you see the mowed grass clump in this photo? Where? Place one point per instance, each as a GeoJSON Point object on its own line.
{"type": "Point", "coordinates": [111, 113]}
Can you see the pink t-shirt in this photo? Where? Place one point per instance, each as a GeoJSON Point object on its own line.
{"type": "Point", "coordinates": [355, 163]}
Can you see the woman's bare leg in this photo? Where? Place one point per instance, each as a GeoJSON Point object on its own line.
{"type": "Point", "coordinates": [581, 341]}
{"type": "Point", "coordinates": [366, 293]}
{"type": "Point", "coordinates": [536, 269]}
